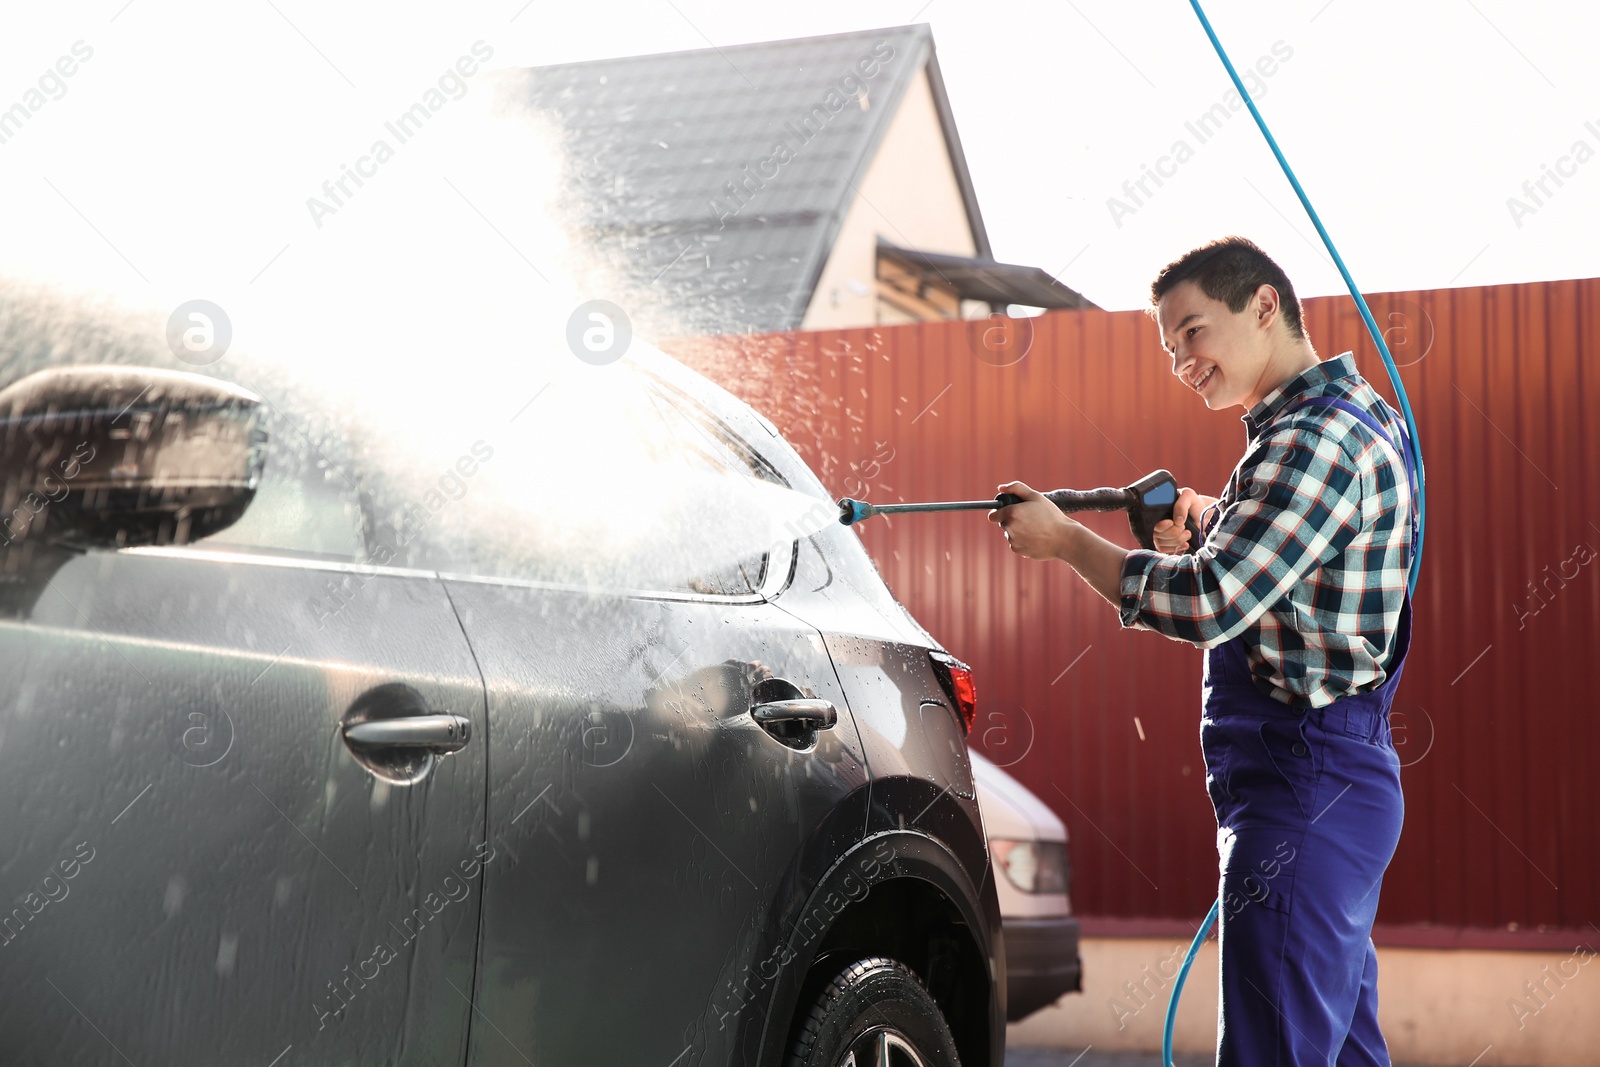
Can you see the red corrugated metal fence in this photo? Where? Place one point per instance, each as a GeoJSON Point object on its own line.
{"type": "Point", "coordinates": [1496, 716]}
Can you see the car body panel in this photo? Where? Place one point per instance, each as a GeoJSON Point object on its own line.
{"type": "Point", "coordinates": [1042, 962]}
{"type": "Point", "coordinates": [648, 820]}
{"type": "Point", "coordinates": [1010, 809]}
{"type": "Point", "coordinates": [885, 857]}
{"type": "Point", "coordinates": [1041, 933]}
{"type": "Point", "coordinates": [184, 708]}
{"type": "Point", "coordinates": [651, 870]}
{"type": "Point", "coordinates": [1011, 812]}
{"type": "Point", "coordinates": [922, 780]}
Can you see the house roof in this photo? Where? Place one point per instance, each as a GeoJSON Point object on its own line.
{"type": "Point", "coordinates": [659, 145]}
{"type": "Point", "coordinates": [983, 278]}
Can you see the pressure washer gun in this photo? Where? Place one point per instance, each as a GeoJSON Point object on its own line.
{"type": "Point", "coordinates": [1147, 501]}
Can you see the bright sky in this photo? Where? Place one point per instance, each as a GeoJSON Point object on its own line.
{"type": "Point", "coordinates": [177, 158]}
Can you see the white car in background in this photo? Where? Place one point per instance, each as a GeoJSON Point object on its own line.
{"type": "Point", "coordinates": [1028, 847]}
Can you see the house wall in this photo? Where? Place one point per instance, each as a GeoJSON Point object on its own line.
{"type": "Point", "coordinates": [910, 197]}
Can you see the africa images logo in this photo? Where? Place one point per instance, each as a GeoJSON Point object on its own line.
{"type": "Point", "coordinates": [853, 86]}
{"type": "Point", "coordinates": [344, 988]}
{"type": "Point", "coordinates": [1205, 126]}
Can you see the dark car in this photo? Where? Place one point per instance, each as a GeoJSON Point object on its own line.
{"type": "Point", "coordinates": [583, 735]}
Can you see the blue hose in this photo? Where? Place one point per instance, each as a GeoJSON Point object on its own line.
{"type": "Point", "coordinates": [1183, 976]}
{"type": "Point", "coordinates": [1411, 429]}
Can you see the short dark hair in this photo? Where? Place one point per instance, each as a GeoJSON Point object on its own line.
{"type": "Point", "coordinates": [1231, 269]}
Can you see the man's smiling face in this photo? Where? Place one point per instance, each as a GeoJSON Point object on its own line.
{"type": "Point", "coordinates": [1220, 354]}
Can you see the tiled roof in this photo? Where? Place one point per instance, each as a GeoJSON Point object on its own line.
{"type": "Point", "coordinates": [657, 146]}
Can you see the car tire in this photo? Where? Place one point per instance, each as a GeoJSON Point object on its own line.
{"type": "Point", "coordinates": [871, 1006]}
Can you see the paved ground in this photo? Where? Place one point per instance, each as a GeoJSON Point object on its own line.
{"type": "Point", "coordinates": [1051, 1057]}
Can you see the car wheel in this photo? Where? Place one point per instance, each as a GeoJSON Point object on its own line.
{"type": "Point", "coordinates": [874, 1013]}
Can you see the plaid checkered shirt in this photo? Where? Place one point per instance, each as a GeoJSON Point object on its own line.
{"type": "Point", "coordinates": [1309, 550]}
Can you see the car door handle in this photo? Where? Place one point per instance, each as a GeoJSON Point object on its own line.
{"type": "Point", "coordinates": [815, 714]}
{"type": "Point", "coordinates": [437, 733]}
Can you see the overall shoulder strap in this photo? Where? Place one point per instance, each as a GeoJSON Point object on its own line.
{"type": "Point", "coordinates": [1365, 417]}
{"type": "Point", "coordinates": [1362, 415]}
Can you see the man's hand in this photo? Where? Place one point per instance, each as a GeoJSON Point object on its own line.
{"type": "Point", "coordinates": [1037, 529]}
{"type": "Point", "coordinates": [1169, 535]}
{"type": "Point", "coordinates": [1034, 528]}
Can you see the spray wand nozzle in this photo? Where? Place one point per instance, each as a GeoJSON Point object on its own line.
{"type": "Point", "coordinates": [1147, 501]}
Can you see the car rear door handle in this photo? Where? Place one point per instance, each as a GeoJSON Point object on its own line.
{"type": "Point", "coordinates": [815, 714]}
{"type": "Point", "coordinates": [436, 733]}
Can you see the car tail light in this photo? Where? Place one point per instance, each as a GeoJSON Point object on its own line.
{"type": "Point", "coordinates": [1032, 866]}
{"type": "Point", "coordinates": [956, 677]}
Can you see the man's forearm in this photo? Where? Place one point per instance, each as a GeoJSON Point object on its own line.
{"type": "Point", "coordinates": [1097, 561]}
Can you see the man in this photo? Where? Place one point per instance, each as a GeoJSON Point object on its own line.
{"type": "Point", "coordinates": [1298, 596]}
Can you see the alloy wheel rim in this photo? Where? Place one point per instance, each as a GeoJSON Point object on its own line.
{"type": "Point", "coordinates": [882, 1047]}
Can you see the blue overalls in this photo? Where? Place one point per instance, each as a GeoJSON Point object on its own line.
{"type": "Point", "coordinates": [1308, 810]}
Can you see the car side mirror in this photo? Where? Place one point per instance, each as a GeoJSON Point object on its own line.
{"type": "Point", "coordinates": [107, 457]}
